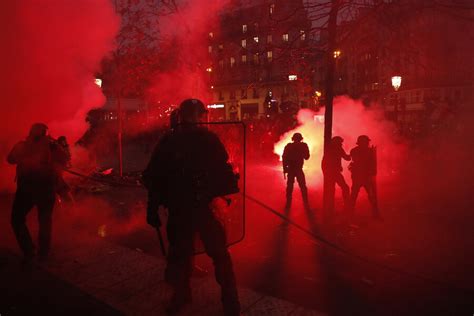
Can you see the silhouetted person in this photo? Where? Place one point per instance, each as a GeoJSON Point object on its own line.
{"type": "Point", "coordinates": [180, 176]}
{"type": "Point", "coordinates": [294, 155]}
{"type": "Point", "coordinates": [36, 160]}
{"type": "Point", "coordinates": [364, 169]}
{"type": "Point", "coordinates": [332, 170]}
{"type": "Point", "coordinates": [63, 189]}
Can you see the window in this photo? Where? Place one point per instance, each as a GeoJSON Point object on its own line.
{"type": "Point", "coordinates": [232, 94]}
{"type": "Point", "coordinates": [232, 62]}
{"type": "Point", "coordinates": [210, 49]}
{"type": "Point", "coordinates": [285, 37]}
{"type": "Point", "coordinates": [255, 93]}
{"type": "Point", "coordinates": [244, 59]}
{"type": "Point", "coordinates": [244, 43]}
{"type": "Point", "coordinates": [221, 63]}
{"type": "Point", "coordinates": [244, 28]}
{"type": "Point", "coordinates": [221, 95]}
{"type": "Point", "coordinates": [302, 35]}
{"type": "Point", "coordinates": [221, 46]}
{"type": "Point", "coordinates": [255, 26]}
{"type": "Point", "coordinates": [243, 93]}
{"type": "Point", "coordinates": [269, 55]}
{"type": "Point", "coordinates": [211, 35]}
{"type": "Point", "coordinates": [255, 58]}
{"type": "Point", "coordinates": [255, 39]}
{"type": "Point", "coordinates": [272, 8]}
{"type": "Point", "coordinates": [269, 39]}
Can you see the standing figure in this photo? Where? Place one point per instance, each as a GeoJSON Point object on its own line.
{"type": "Point", "coordinates": [182, 175]}
{"type": "Point", "coordinates": [332, 170]}
{"type": "Point", "coordinates": [364, 170]}
{"type": "Point", "coordinates": [63, 189]}
{"type": "Point", "coordinates": [294, 155]}
{"type": "Point", "coordinates": [36, 159]}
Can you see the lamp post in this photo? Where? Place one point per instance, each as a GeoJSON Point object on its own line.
{"type": "Point", "coordinates": [396, 82]}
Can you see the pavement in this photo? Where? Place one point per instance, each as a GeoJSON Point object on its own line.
{"type": "Point", "coordinates": [95, 276]}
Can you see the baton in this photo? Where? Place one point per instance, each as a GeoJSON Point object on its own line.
{"type": "Point", "coordinates": [162, 244]}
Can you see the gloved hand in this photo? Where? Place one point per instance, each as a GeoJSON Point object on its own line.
{"type": "Point", "coordinates": [153, 219]}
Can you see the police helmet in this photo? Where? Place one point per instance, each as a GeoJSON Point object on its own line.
{"type": "Point", "coordinates": [337, 140]}
{"type": "Point", "coordinates": [189, 107]}
{"type": "Point", "coordinates": [363, 139]}
{"type": "Point", "coordinates": [297, 137]}
{"type": "Point", "coordinates": [38, 130]}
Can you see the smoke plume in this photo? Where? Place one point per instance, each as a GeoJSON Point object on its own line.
{"type": "Point", "coordinates": [50, 53]}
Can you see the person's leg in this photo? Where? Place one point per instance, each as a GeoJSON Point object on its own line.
{"type": "Point", "coordinates": [371, 194]}
{"type": "Point", "coordinates": [45, 204]}
{"type": "Point", "coordinates": [302, 184]}
{"type": "Point", "coordinates": [329, 192]}
{"type": "Point", "coordinates": [289, 188]}
{"type": "Point", "coordinates": [178, 270]}
{"type": "Point", "coordinates": [213, 236]}
{"type": "Point", "coordinates": [339, 179]}
{"type": "Point", "coordinates": [356, 185]}
{"type": "Point", "coordinates": [22, 205]}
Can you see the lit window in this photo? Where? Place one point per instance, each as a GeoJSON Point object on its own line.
{"type": "Point", "coordinates": [285, 37]}
{"type": "Point", "coordinates": [255, 39]}
{"type": "Point", "coordinates": [244, 43]}
{"type": "Point", "coordinates": [302, 35]}
{"type": "Point", "coordinates": [244, 59]}
{"type": "Point", "coordinates": [269, 39]}
{"type": "Point", "coordinates": [269, 55]}
{"type": "Point", "coordinates": [221, 46]}
{"type": "Point", "coordinates": [255, 58]}
{"type": "Point", "coordinates": [232, 61]}
{"type": "Point", "coordinates": [292, 77]}
{"type": "Point", "coordinates": [244, 28]}
{"type": "Point", "coordinates": [211, 35]}
{"type": "Point", "coordinates": [272, 8]}
{"type": "Point", "coordinates": [210, 49]}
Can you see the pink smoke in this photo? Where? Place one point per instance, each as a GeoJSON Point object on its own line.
{"type": "Point", "coordinates": [51, 52]}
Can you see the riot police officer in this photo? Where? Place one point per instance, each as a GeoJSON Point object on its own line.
{"type": "Point", "coordinates": [294, 155]}
{"type": "Point", "coordinates": [364, 170]}
{"type": "Point", "coordinates": [180, 176]}
{"type": "Point", "coordinates": [332, 170]}
{"type": "Point", "coordinates": [36, 159]}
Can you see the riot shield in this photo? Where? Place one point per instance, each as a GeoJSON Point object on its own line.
{"type": "Point", "coordinates": [230, 209]}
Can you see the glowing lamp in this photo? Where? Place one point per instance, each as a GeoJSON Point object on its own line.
{"type": "Point", "coordinates": [215, 106]}
{"type": "Point", "coordinates": [318, 94]}
{"type": "Point", "coordinates": [337, 53]}
{"type": "Point", "coordinates": [396, 82]}
{"type": "Point", "coordinates": [98, 82]}
{"type": "Point", "coordinates": [209, 69]}
{"type": "Point", "coordinates": [292, 77]}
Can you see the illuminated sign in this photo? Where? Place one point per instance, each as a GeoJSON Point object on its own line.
{"type": "Point", "coordinates": [292, 77]}
{"type": "Point", "coordinates": [215, 106]}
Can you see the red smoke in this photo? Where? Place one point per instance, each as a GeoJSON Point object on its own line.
{"type": "Point", "coordinates": [50, 53]}
{"type": "Point", "coordinates": [183, 66]}
{"type": "Point", "coordinates": [351, 119]}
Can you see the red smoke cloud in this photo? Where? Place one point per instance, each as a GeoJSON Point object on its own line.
{"type": "Point", "coordinates": [351, 119]}
{"type": "Point", "coordinates": [183, 67]}
{"type": "Point", "coordinates": [50, 52]}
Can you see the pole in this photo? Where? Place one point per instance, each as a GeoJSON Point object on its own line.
{"type": "Point", "coordinates": [328, 197]}
{"type": "Point", "coordinates": [119, 135]}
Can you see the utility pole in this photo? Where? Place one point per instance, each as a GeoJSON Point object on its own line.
{"type": "Point", "coordinates": [328, 200]}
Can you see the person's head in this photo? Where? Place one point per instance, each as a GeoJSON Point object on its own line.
{"type": "Point", "coordinates": [62, 141]}
{"type": "Point", "coordinates": [337, 141]}
{"type": "Point", "coordinates": [38, 131]}
{"type": "Point", "coordinates": [363, 140]}
{"type": "Point", "coordinates": [297, 137]}
{"type": "Point", "coordinates": [192, 111]}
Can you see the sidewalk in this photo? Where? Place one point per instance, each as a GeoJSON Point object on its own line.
{"type": "Point", "coordinates": [131, 283]}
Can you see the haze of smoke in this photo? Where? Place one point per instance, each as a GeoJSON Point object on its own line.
{"type": "Point", "coordinates": [50, 52]}
{"type": "Point", "coordinates": [351, 119]}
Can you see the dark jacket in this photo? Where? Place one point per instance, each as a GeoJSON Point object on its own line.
{"type": "Point", "coordinates": [184, 167]}
{"type": "Point", "coordinates": [294, 156]}
{"type": "Point", "coordinates": [364, 164]}
{"type": "Point", "coordinates": [332, 159]}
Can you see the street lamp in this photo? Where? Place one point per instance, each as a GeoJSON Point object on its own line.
{"type": "Point", "coordinates": [98, 82]}
{"type": "Point", "coordinates": [396, 82]}
{"type": "Point", "coordinates": [337, 53]}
